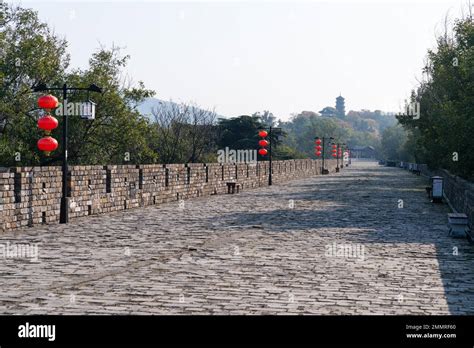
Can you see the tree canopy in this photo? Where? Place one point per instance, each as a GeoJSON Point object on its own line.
{"type": "Point", "coordinates": [33, 54]}
{"type": "Point", "coordinates": [442, 136]}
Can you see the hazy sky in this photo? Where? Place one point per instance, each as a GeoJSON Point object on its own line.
{"type": "Point", "coordinates": [243, 56]}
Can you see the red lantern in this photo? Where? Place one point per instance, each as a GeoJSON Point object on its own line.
{"type": "Point", "coordinates": [334, 155]}
{"type": "Point", "coordinates": [319, 148]}
{"type": "Point", "coordinates": [262, 152]}
{"type": "Point", "coordinates": [47, 123]}
{"type": "Point", "coordinates": [263, 143]}
{"type": "Point", "coordinates": [334, 146]}
{"type": "Point", "coordinates": [48, 102]}
{"type": "Point", "coordinates": [262, 134]}
{"type": "Point", "coordinates": [47, 144]}
{"type": "Point", "coordinates": [318, 153]}
{"type": "Point", "coordinates": [318, 141]}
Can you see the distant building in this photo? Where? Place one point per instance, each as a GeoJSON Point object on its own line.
{"type": "Point", "coordinates": [338, 111]}
{"type": "Point", "coordinates": [363, 152]}
{"type": "Point", "coordinates": [340, 107]}
{"type": "Point", "coordinates": [328, 111]}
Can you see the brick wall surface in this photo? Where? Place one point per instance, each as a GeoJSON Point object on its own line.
{"type": "Point", "coordinates": [31, 195]}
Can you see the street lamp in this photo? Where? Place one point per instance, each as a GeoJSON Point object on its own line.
{"type": "Point", "coordinates": [47, 123]}
{"type": "Point", "coordinates": [334, 147]}
{"type": "Point", "coordinates": [64, 211]}
{"type": "Point", "coordinates": [337, 152]}
{"type": "Point", "coordinates": [321, 150]}
{"type": "Point", "coordinates": [263, 151]}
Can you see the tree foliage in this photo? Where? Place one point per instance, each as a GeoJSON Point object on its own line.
{"type": "Point", "coordinates": [304, 127]}
{"type": "Point", "coordinates": [184, 133]}
{"type": "Point", "coordinates": [392, 143]}
{"type": "Point", "coordinates": [32, 55]}
{"type": "Point", "coordinates": [242, 133]}
{"type": "Point", "coordinates": [443, 134]}
{"type": "Point", "coordinates": [29, 53]}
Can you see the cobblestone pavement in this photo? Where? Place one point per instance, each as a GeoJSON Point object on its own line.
{"type": "Point", "coordinates": [363, 241]}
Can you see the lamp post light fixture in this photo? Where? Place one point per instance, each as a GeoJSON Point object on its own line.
{"type": "Point", "coordinates": [47, 144]}
{"type": "Point", "coordinates": [321, 151]}
{"type": "Point", "coordinates": [64, 210]}
{"type": "Point", "coordinates": [263, 151]}
{"type": "Point", "coordinates": [88, 110]}
{"type": "Point", "coordinates": [340, 155]}
{"type": "Point", "coordinates": [318, 148]}
{"type": "Point", "coordinates": [337, 154]}
{"type": "Point", "coordinates": [334, 154]}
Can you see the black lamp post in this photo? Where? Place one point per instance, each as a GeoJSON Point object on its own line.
{"type": "Point", "coordinates": [64, 211]}
{"type": "Point", "coordinates": [263, 151]}
{"type": "Point", "coordinates": [323, 170]}
{"type": "Point", "coordinates": [270, 154]}
{"type": "Point", "coordinates": [339, 147]}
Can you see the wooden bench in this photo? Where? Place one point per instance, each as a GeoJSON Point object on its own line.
{"type": "Point", "coordinates": [232, 186]}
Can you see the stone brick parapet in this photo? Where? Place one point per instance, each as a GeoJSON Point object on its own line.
{"type": "Point", "coordinates": [31, 195]}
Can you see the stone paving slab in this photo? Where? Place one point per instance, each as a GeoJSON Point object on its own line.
{"type": "Point", "coordinates": [336, 244]}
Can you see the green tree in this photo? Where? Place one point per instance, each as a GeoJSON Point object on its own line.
{"type": "Point", "coordinates": [119, 134]}
{"type": "Point", "coordinates": [242, 133]}
{"type": "Point", "coordinates": [392, 143]}
{"type": "Point", "coordinates": [184, 133]}
{"type": "Point", "coordinates": [32, 54]}
{"type": "Point", "coordinates": [29, 53]}
{"type": "Point", "coordinates": [267, 118]}
{"type": "Point", "coordinates": [443, 131]}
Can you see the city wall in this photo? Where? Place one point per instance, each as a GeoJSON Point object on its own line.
{"type": "Point", "coordinates": [31, 195]}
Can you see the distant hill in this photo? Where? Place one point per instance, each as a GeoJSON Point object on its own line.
{"type": "Point", "coordinates": [356, 128]}
{"type": "Point", "coordinates": [149, 104]}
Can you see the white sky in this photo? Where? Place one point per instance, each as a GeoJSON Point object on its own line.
{"type": "Point", "coordinates": [241, 57]}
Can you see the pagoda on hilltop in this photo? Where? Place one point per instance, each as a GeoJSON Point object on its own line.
{"type": "Point", "coordinates": [340, 107]}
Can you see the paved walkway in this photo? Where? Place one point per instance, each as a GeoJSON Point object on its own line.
{"type": "Point", "coordinates": [338, 244]}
